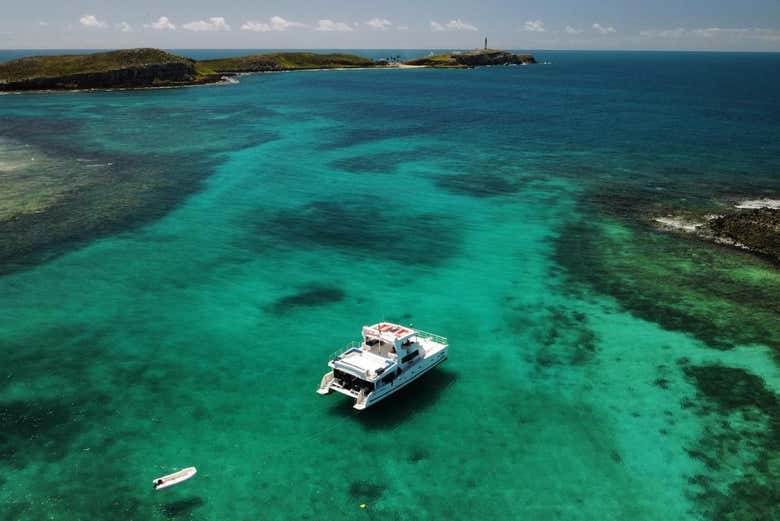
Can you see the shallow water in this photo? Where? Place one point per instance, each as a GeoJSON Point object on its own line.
{"type": "Point", "coordinates": [242, 233]}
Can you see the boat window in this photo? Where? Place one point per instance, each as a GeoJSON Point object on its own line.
{"type": "Point", "coordinates": [408, 357]}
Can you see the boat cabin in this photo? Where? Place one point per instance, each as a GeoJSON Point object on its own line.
{"type": "Point", "coordinates": [387, 349]}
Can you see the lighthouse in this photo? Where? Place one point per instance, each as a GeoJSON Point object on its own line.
{"type": "Point", "coordinates": [486, 43]}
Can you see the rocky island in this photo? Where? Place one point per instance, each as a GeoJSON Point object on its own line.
{"type": "Point", "coordinates": [142, 68]}
{"type": "Point", "coordinates": [115, 69]}
{"type": "Point", "coordinates": [476, 58]}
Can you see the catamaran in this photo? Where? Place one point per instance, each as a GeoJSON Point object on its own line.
{"type": "Point", "coordinates": [389, 357]}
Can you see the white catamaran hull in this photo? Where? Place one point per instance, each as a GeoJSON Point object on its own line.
{"type": "Point", "coordinates": [363, 401]}
{"type": "Point", "coordinates": [389, 357]}
{"type": "Point", "coordinates": [414, 373]}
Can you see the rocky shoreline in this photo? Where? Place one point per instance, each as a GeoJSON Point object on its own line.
{"type": "Point", "coordinates": [752, 225]}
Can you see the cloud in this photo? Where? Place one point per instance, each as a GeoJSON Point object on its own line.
{"type": "Point", "coordinates": [534, 26]}
{"type": "Point", "coordinates": [402, 27]}
{"type": "Point", "coordinates": [331, 26]}
{"type": "Point", "coordinates": [124, 27]}
{"type": "Point", "coordinates": [43, 24]}
{"type": "Point", "coordinates": [712, 33]}
{"type": "Point", "coordinates": [162, 24]}
{"type": "Point", "coordinates": [453, 25]}
{"type": "Point", "coordinates": [571, 30]}
{"type": "Point", "coordinates": [381, 24]}
{"type": "Point", "coordinates": [215, 23]}
{"type": "Point", "coordinates": [603, 29]}
{"type": "Point", "coordinates": [275, 23]}
{"type": "Point", "coordinates": [89, 20]}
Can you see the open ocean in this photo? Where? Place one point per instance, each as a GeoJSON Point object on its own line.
{"type": "Point", "coordinates": [176, 266]}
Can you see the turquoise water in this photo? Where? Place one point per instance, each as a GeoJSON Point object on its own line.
{"type": "Point", "coordinates": [176, 302]}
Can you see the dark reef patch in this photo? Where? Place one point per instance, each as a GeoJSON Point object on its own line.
{"type": "Point", "coordinates": [147, 167]}
{"type": "Point", "coordinates": [308, 297]}
{"type": "Point", "coordinates": [417, 455]}
{"type": "Point", "coordinates": [562, 335]}
{"type": "Point", "coordinates": [742, 430]}
{"type": "Point", "coordinates": [732, 388]}
{"type": "Point", "coordinates": [181, 507]}
{"type": "Point", "coordinates": [357, 136]}
{"type": "Point", "coordinates": [380, 163]}
{"type": "Point", "coordinates": [366, 490]}
{"type": "Point", "coordinates": [707, 291]}
{"type": "Point", "coordinates": [366, 227]}
{"type": "Point", "coordinates": [36, 429]}
{"type": "Point", "coordinates": [125, 193]}
{"type": "Point", "coordinates": [490, 177]}
{"type": "Point", "coordinates": [483, 184]}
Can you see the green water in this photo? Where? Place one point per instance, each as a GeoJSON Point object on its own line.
{"type": "Point", "coordinates": [195, 329]}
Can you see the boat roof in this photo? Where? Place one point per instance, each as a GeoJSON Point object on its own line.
{"type": "Point", "coordinates": [389, 332]}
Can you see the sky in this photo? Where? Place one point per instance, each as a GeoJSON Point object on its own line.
{"type": "Point", "coordinates": [729, 25]}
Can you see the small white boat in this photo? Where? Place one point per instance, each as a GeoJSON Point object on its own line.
{"type": "Point", "coordinates": [389, 357]}
{"type": "Point", "coordinates": [174, 479]}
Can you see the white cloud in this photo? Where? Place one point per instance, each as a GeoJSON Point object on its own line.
{"type": "Point", "coordinates": [43, 24]}
{"type": "Point", "coordinates": [453, 25]}
{"type": "Point", "coordinates": [162, 24]}
{"type": "Point", "coordinates": [601, 29]}
{"type": "Point", "coordinates": [89, 20]}
{"type": "Point", "coordinates": [275, 23]}
{"type": "Point", "coordinates": [712, 33]}
{"type": "Point", "coordinates": [379, 23]}
{"type": "Point", "coordinates": [330, 26]}
{"type": "Point", "coordinates": [402, 27]}
{"type": "Point", "coordinates": [124, 27]}
{"type": "Point", "coordinates": [663, 33]}
{"type": "Point", "coordinates": [215, 23]}
{"type": "Point", "coordinates": [534, 26]}
{"type": "Point", "coordinates": [571, 30]}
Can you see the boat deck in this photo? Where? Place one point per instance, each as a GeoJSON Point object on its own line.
{"type": "Point", "coordinates": [364, 361]}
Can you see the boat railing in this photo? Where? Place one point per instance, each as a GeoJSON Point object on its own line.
{"type": "Point", "coordinates": [430, 336]}
{"type": "Point", "coordinates": [335, 355]}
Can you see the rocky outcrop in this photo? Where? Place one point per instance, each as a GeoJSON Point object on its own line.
{"type": "Point", "coordinates": [162, 74]}
{"type": "Point", "coordinates": [476, 58]}
{"type": "Point", "coordinates": [753, 229]}
{"type": "Point", "coordinates": [487, 58]}
{"type": "Point", "coordinates": [757, 230]}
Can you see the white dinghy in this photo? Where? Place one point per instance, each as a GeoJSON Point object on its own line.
{"type": "Point", "coordinates": [174, 479]}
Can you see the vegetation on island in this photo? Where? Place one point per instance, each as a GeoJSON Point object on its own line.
{"type": "Point", "coordinates": [475, 58]}
{"type": "Point", "coordinates": [286, 61]}
{"type": "Point", "coordinates": [112, 69]}
{"type": "Point", "coordinates": [138, 68]}
{"type": "Point", "coordinates": [63, 65]}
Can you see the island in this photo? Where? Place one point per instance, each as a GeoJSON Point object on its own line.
{"type": "Point", "coordinates": [287, 61]}
{"type": "Point", "coordinates": [102, 70]}
{"type": "Point", "coordinates": [145, 68]}
{"type": "Point", "coordinates": [475, 58]}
